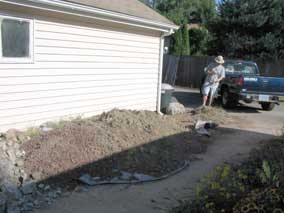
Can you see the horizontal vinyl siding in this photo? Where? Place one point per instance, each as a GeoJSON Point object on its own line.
{"type": "Point", "coordinates": [79, 71]}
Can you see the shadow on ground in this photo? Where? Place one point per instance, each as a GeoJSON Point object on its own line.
{"type": "Point", "coordinates": [155, 158]}
{"type": "Point", "coordinates": [226, 144]}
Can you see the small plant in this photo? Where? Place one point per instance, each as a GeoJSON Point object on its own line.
{"type": "Point", "coordinates": [252, 186]}
{"type": "Point", "coordinates": [32, 132]}
{"type": "Point", "coordinates": [61, 124]}
{"type": "Point", "coordinates": [266, 175]}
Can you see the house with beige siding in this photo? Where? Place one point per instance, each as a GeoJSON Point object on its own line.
{"type": "Point", "coordinates": [62, 59]}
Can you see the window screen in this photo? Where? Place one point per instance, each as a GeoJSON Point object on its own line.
{"type": "Point", "coordinates": [15, 38]}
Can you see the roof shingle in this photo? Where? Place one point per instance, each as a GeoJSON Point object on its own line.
{"type": "Point", "coordinates": [129, 7]}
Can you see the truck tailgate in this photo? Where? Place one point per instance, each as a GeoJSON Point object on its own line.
{"type": "Point", "coordinates": [264, 85]}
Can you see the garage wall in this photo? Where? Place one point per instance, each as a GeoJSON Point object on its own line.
{"type": "Point", "coordinates": [79, 70]}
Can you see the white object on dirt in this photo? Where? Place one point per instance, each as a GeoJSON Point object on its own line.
{"type": "Point", "coordinates": [175, 108]}
{"type": "Point", "coordinates": [202, 126]}
{"type": "Point", "coordinates": [167, 87]}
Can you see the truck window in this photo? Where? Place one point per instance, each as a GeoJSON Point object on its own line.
{"type": "Point", "coordinates": [242, 67]}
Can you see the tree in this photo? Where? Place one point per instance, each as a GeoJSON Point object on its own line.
{"type": "Point", "coordinates": [185, 38]}
{"type": "Point", "coordinates": [196, 11]}
{"type": "Point", "coordinates": [182, 12]}
{"type": "Point", "coordinates": [249, 29]}
{"type": "Point", "coordinates": [199, 41]}
{"type": "Point", "coordinates": [150, 3]}
{"type": "Point", "coordinates": [177, 43]}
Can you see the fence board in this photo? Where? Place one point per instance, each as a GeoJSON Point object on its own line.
{"type": "Point", "coordinates": [271, 68]}
{"type": "Point", "coordinates": [170, 67]}
{"type": "Point", "coordinates": [190, 69]}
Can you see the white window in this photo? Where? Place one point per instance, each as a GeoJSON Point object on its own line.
{"type": "Point", "coordinates": [16, 40]}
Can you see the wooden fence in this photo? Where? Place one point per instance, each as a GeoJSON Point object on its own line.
{"type": "Point", "coordinates": [170, 68]}
{"type": "Point", "coordinates": [189, 70]}
{"type": "Point", "coordinates": [271, 68]}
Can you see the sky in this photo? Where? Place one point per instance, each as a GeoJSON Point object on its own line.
{"type": "Point", "coordinates": [217, 1]}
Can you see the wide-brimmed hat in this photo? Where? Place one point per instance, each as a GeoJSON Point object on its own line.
{"type": "Point", "coordinates": [219, 59]}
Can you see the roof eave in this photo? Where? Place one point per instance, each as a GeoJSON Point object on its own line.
{"type": "Point", "coordinates": [91, 12]}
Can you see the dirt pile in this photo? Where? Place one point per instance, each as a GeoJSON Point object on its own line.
{"type": "Point", "coordinates": [129, 140]}
{"type": "Point", "coordinates": [41, 161]}
{"type": "Point", "coordinates": [134, 141]}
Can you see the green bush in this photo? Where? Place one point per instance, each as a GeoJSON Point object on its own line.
{"type": "Point", "coordinates": [253, 186]}
{"type": "Point", "coordinates": [199, 40]}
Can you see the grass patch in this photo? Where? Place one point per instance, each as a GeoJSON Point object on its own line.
{"type": "Point", "coordinates": [255, 185]}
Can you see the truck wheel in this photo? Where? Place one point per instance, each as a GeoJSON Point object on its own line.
{"type": "Point", "coordinates": [267, 106]}
{"type": "Point", "coordinates": [228, 100]}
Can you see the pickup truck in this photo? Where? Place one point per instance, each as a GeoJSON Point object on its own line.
{"type": "Point", "coordinates": [243, 82]}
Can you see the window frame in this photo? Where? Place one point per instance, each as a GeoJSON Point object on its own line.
{"type": "Point", "coordinates": [20, 60]}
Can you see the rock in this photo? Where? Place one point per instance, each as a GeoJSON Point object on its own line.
{"type": "Point", "coordinates": [125, 175]}
{"type": "Point", "coordinates": [12, 192]}
{"type": "Point", "coordinates": [19, 163]}
{"type": "Point", "coordinates": [115, 180]}
{"type": "Point", "coordinates": [12, 135]}
{"type": "Point", "coordinates": [3, 145]}
{"type": "Point", "coordinates": [41, 186]}
{"type": "Point", "coordinates": [28, 188]}
{"type": "Point", "coordinates": [16, 146]}
{"type": "Point", "coordinates": [20, 154]}
{"type": "Point", "coordinates": [9, 143]}
{"type": "Point", "coordinates": [87, 179]}
{"type": "Point", "coordinates": [142, 177]}
{"type": "Point", "coordinates": [52, 195]}
{"type": "Point", "coordinates": [13, 209]}
{"type": "Point", "coordinates": [36, 175]}
{"type": "Point", "coordinates": [11, 155]}
{"type": "Point", "coordinates": [58, 191]}
{"type": "Point", "coordinates": [175, 108]}
{"type": "Point", "coordinates": [28, 206]}
{"type": "Point", "coordinates": [47, 188]}
{"type": "Point", "coordinates": [96, 178]}
{"type": "Point", "coordinates": [23, 137]}
{"type": "Point", "coordinates": [36, 203]}
{"type": "Point", "coordinates": [22, 172]}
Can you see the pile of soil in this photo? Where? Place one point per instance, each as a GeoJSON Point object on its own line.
{"type": "Point", "coordinates": [120, 140]}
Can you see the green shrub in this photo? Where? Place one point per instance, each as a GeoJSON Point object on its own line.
{"type": "Point", "coordinates": [253, 186]}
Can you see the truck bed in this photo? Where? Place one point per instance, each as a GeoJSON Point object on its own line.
{"type": "Point", "coordinates": [263, 85]}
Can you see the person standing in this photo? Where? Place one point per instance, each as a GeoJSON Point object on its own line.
{"type": "Point", "coordinates": [215, 73]}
